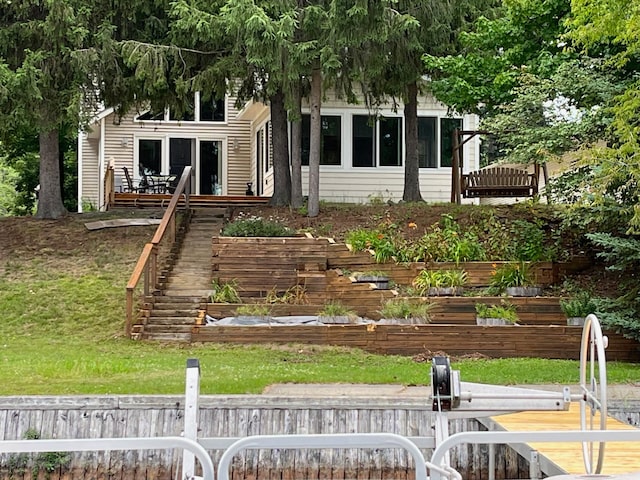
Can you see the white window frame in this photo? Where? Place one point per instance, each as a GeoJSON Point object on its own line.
{"type": "Point", "coordinates": [196, 99]}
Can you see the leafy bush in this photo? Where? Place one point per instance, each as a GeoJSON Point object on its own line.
{"type": "Point", "coordinates": [528, 242]}
{"type": "Point", "coordinates": [402, 307]}
{"type": "Point", "coordinates": [511, 275]}
{"type": "Point", "coordinates": [226, 292]}
{"type": "Point", "coordinates": [256, 227]}
{"type": "Point", "coordinates": [447, 243]}
{"type": "Point", "coordinates": [581, 305]}
{"type": "Point", "coordinates": [505, 311]}
{"type": "Point", "coordinates": [382, 241]}
{"type": "Point", "coordinates": [427, 279]}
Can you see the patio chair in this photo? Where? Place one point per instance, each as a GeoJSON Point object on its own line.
{"type": "Point", "coordinates": [130, 187]}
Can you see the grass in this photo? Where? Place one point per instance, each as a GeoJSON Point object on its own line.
{"type": "Point", "coordinates": [62, 323]}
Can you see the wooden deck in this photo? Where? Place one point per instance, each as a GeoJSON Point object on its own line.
{"type": "Point", "coordinates": [620, 457]}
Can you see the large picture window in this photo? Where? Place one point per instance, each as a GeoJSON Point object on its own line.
{"type": "Point", "coordinates": [363, 141]}
{"type": "Point", "coordinates": [330, 140]}
{"type": "Point", "coordinates": [447, 127]}
{"type": "Point", "coordinates": [427, 142]}
{"type": "Point", "coordinates": [376, 142]}
{"type": "Point", "coordinates": [391, 141]}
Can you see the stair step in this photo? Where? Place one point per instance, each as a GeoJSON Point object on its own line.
{"type": "Point", "coordinates": [169, 322]}
{"type": "Point", "coordinates": [167, 337]}
{"type": "Point", "coordinates": [176, 300]}
{"type": "Point", "coordinates": [164, 312]}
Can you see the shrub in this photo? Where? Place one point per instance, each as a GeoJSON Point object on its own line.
{"type": "Point", "coordinates": [336, 309]}
{"type": "Point", "coordinates": [505, 310]}
{"type": "Point", "coordinates": [296, 295]}
{"type": "Point", "coordinates": [427, 279]}
{"type": "Point", "coordinates": [226, 292]}
{"type": "Point", "coordinates": [447, 243]}
{"type": "Point", "coordinates": [516, 274]}
{"type": "Point", "coordinates": [256, 227]}
{"type": "Point", "coordinates": [402, 307]}
{"type": "Point", "coordinates": [581, 305]}
{"type": "Point", "coordinates": [382, 241]}
{"type": "Point", "coordinates": [528, 242]}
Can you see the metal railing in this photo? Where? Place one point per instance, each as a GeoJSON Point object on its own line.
{"type": "Point", "coordinates": [147, 266]}
{"type": "Point", "coordinates": [108, 444]}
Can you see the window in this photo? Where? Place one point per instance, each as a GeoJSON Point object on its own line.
{"type": "Point", "coordinates": [427, 146]}
{"type": "Point", "coordinates": [363, 141]}
{"type": "Point", "coordinates": [210, 109]}
{"type": "Point", "coordinates": [149, 156]}
{"type": "Point", "coordinates": [373, 139]}
{"type": "Point", "coordinates": [330, 140]}
{"type": "Point", "coordinates": [447, 126]}
{"type": "Point", "coordinates": [391, 141]}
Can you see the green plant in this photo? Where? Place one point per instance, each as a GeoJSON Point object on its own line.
{"type": "Point", "coordinates": [514, 274]}
{"type": "Point", "coordinates": [405, 308]}
{"type": "Point", "coordinates": [225, 292]}
{"type": "Point", "coordinates": [427, 279]}
{"type": "Point", "coordinates": [253, 310]}
{"type": "Point", "coordinates": [446, 242]}
{"type": "Point", "coordinates": [371, 273]}
{"type": "Point", "coordinates": [581, 305]}
{"type": "Point", "coordinates": [45, 461]}
{"type": "Point", "coordinates": [505, 310]}
{"type": "Point", "coordinates": [296, 295]}
{"type": "Point", "coordinates": [256, 227]}
{"type": "Point", "coordinates": [335, 308]}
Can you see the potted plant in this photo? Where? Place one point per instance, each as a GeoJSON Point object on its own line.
{"type": "Point", "coordinates": [336, 312]}
{"type": "Point", "coordinates": [224, 292]}
{"type": "Point", "coordinates": [503, 314]}
{"type": "Point", "coordinates": [379, 278]}
{"type": "Point", "coordinates": [515, 279]}
{"type": "Point", "coordinates": [440, 282]}
{"type": "Point", "coordinates": [253, 313]}
{"type": "Point", "coordinates": [405, 310]}
{"type": "Point", "coordinates": [578, 307]}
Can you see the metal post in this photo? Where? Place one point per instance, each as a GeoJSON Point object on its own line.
{"type": "Point", "coordinates": [534, 466]}
{"type": "Point", "coordinates": [192, 393]}
{"type": "Point", "coordinates": [441, 424]}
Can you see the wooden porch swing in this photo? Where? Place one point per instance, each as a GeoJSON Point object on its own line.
{"type": "Point", "coordinates": [492, 182]}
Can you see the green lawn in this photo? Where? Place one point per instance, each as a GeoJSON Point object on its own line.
{"type": "Point", "coordinates": [61, 332]}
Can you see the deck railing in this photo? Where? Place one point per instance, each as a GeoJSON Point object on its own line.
{"type": "Point", "coordinates": [147, 266]}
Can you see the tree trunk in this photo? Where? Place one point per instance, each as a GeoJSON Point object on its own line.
{"type": "Point", "coordinates": [50, 204]}
{"type": "Point", "coordinates": [281, 175]}
{"type": "Point", "coordinates": [411, 167]}
{"type": "Point", "coordinates": [296, 148]}
{"type": "Point", "coordinates": [314, 147]}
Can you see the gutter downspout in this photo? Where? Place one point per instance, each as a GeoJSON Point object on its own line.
{"type": "Point", "coordinates": [80, 159]}
{"type": "Point", "coordinates": [101, 165]}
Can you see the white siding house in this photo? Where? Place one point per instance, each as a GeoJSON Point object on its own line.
{"type": "Point", "coordinates": [362, 157]}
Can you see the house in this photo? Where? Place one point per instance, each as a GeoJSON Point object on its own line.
{"type": "Point", "coordinates": [362, 157]}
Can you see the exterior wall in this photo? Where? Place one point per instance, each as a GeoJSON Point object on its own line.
{"type": "Point", "coordinates": [120, 141]}
{"type": "Point", "coordinates": [116, 143]}
{"type": "Point", "coordinates": [345, 183]}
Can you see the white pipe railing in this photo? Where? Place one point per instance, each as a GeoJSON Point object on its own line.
{"type": "Point", "coordinates": [529, 437]}
{"type": "Point", "coordinates": [108, 444]}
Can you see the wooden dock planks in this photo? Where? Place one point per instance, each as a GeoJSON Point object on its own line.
{"type": "Point", "coordinates": [620, 457]}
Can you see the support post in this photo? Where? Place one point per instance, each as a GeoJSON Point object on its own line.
{"type": "Point", "coordinates": [191, 409]}
{"type": "Point", "coordinates": [534, 466]}
{"type": "Point", "coordinates": [442, 432]}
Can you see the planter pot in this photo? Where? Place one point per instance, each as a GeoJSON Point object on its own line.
{"type": "Point", "coordinates": [575, 321]}
{"type": "Point", "coordinates": [444, 291]}
{"type": "Point", "coordinates": [492, 321]}
{"type": "Point", "coordinates": [524, 291]}
{"type": "Point", "coordinates": [379, 281]}
{"type": "Point", "coordinates": [402, 321]}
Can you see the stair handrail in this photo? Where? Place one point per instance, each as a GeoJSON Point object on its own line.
{"type": "Point", "coordinates": [147, 264]}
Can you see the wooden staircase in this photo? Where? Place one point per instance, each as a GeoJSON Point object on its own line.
{"type": "Point", "coordinates": [185, 284]}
